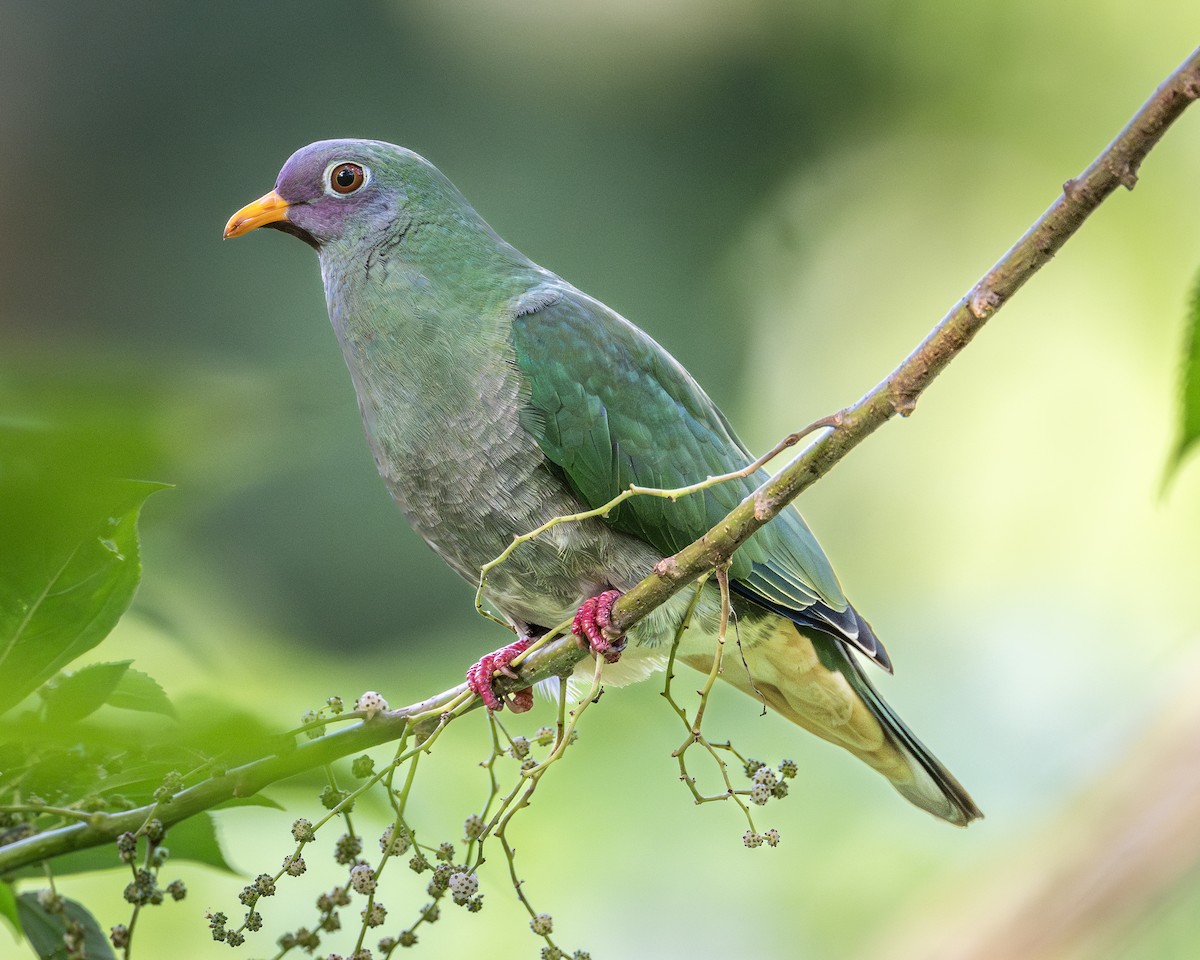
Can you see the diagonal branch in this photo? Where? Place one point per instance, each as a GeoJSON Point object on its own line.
{"type": "Point", "coordinates": [1116, 166]}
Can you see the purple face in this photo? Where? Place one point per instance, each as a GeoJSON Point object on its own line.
{"type": "Point", "coordinates": [339, 189]}
{"type": "Point", "coordinates": [345, 193]}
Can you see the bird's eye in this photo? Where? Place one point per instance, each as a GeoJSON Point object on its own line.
{"type": "Point", "coordinates": [346, 178]}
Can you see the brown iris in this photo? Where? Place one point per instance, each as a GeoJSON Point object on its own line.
{"type": "Point", "coordinates": [346, 177]}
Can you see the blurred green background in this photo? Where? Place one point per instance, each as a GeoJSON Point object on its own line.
{"type": "Point", "coordinates": [787, 195]}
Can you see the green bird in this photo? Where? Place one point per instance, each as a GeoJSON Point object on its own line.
{"type": "Point", "coordinates": [496, 396]}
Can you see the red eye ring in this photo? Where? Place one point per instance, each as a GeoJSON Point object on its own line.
{"type": "Point", "coordinates": [346, 178]}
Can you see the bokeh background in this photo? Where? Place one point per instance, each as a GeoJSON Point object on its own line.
{"type": "Point", "coordinates": [787, 195]}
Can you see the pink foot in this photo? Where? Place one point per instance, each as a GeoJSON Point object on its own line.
{"type": "Point", "coordinates": [593, 618]}
{"type": "Point", "coordinates": [479, 678]}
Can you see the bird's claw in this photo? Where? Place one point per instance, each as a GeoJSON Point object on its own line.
{"type": "Point", "coordinates": [481, 674]}
{"type": "Point", "coordinates": [593, 623]}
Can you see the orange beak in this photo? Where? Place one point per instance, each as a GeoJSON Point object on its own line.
{"type": "Point", "coordinates": [269, 209]}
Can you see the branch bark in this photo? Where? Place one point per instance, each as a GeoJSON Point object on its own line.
{"type": "Point", "coordinates": [1117, 165]}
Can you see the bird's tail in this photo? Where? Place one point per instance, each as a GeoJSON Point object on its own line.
{"type": "Point", "coordinates": [816, 683]}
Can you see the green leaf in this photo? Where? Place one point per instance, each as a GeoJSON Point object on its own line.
{"type": "Point", "coordinates": [1189, 413]}
{"type": "Point", "coordinates": [45, 930]}
{"type": "Point", "coordinates": [68, 571]}
{"type": "Point", "coordinates": [140, 691]}
{"type": "Point", "coordinates": [72, 696]}
{"type": "Point", "coordinates": [196, 839]}
{"type": "Point", "coordinates": [8, 907]}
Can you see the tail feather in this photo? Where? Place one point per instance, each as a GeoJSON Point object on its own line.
{"type": "Point", "coordinates": [815, 682]}
{"type": "Point", "coordinates": [932, 787]}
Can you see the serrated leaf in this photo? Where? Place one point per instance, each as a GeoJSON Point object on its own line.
{"type": "Point", "coordinates": [44, 931]}
{"type": "Point", "coordinates": [140, 691]}
{"type": "Point", "coordinates": [1189, 412]}
{"type": "Point", "coordinates": [68, 571]}
{"type": "Point", "coordinates": [196, 839]}
{"type": "Point", "coordinates": [8, 907]}
{"type": "Point", "coordinates": [72, 696]}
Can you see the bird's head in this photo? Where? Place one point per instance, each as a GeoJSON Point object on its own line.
{"type": "Point", "coordinates": [347, 190]}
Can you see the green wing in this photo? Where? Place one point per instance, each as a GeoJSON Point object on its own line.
{"type": "Point", "coordinates": [609, 407]}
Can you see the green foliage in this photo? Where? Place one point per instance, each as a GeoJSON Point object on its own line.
{"type": "Point", "coordinates": [8, 906]}
{"type": "Point", "coordinates": [46, 930]}
{"type": "Point", "coordinates": [1189, 412]}
{"type": "Point", "coordinates": [140, 691]}
{"type": "Point", "coordinates": [72, 696]}
{"type": "Point", "coordinates": [68, 572]}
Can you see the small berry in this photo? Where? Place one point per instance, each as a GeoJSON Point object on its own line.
{"type": "Point", "coordinates": [780, 790]}
{"type": "Point", "coordinates": [772, 837]}
{"type": "Point", "coordinates": [551, 953]}
{"type": "Point", "coordinates": [462, 886]}
{"type": "Point", "coordinates": [760, 793]}
{"type": "Point", "coordinates": [752, 766]}
{"type": "Point", "coordinates": [155, 830]}
{"type": "Point", "coordinates": [528, 764]}
{"type": "Point", "coordinates": [440, 879]}
{"type": "Point", "coordinates": [119, 936]}
{"type": "Point", "coordinates": [418, 863]}
{"type": "Point", "coordinates": [254, 921]}
{"type": "Point", "coordinates": [294, 865]}
{"type": "Point", "coordinates": [331, 796]}
{"type": "Point", "coordinates": [307, 939]}
{"type": "Point", "coordinates": [397, 846]}
{"type": "Point", "coordinates": [519, 748]}
{"type": "Point", "coordinates": [475, 904]}
{"type": "Point", "coordinates": [347, 849]}
{"type": "Point", "coordinates": [387, 945]}
{"type": "Point", "coordinates": [265, 884]}
{"type": "Point", "coordinates": [334, 705]}
{"type": "Point", "coordinates": [445, 851]}
{"type": "Point", "coordinates": [160, 856]}
{"type": "Point", "coordinates": [542, 924]}
{"type": "Point", "coordinates": [362, 879]}
{"type": "Point", "coordinates": [302, 831]}
{"type": "Point", "coordinates": [581, 955]}
{"type": "Point", "coordinates": [177, 889]}
{"type": "Point", "coordinates": [544, 735]}
{"type": "Point", "coordinates": [473, 827]}
{"type": "Point", "coordinates": [765, 775]}
{"type": "Point", "coordinates": [50, 901]}
{"type": "Point", "coordinates": [370, 703]}
{"type": "Point", "coordinates": [430, 912]}
{"type": "Point", "coordinates": [752, 839]}
{"type": "Point", "coordinates": [127, 847]}
{"type": "Point", "coordinates": [363, 767]}
{"type": "Point", "coordinates": [407, 938]}
{"type": "Point", "coordinates": [788, 769]}
{"type": "Point", "coordinates": [375, 915]}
